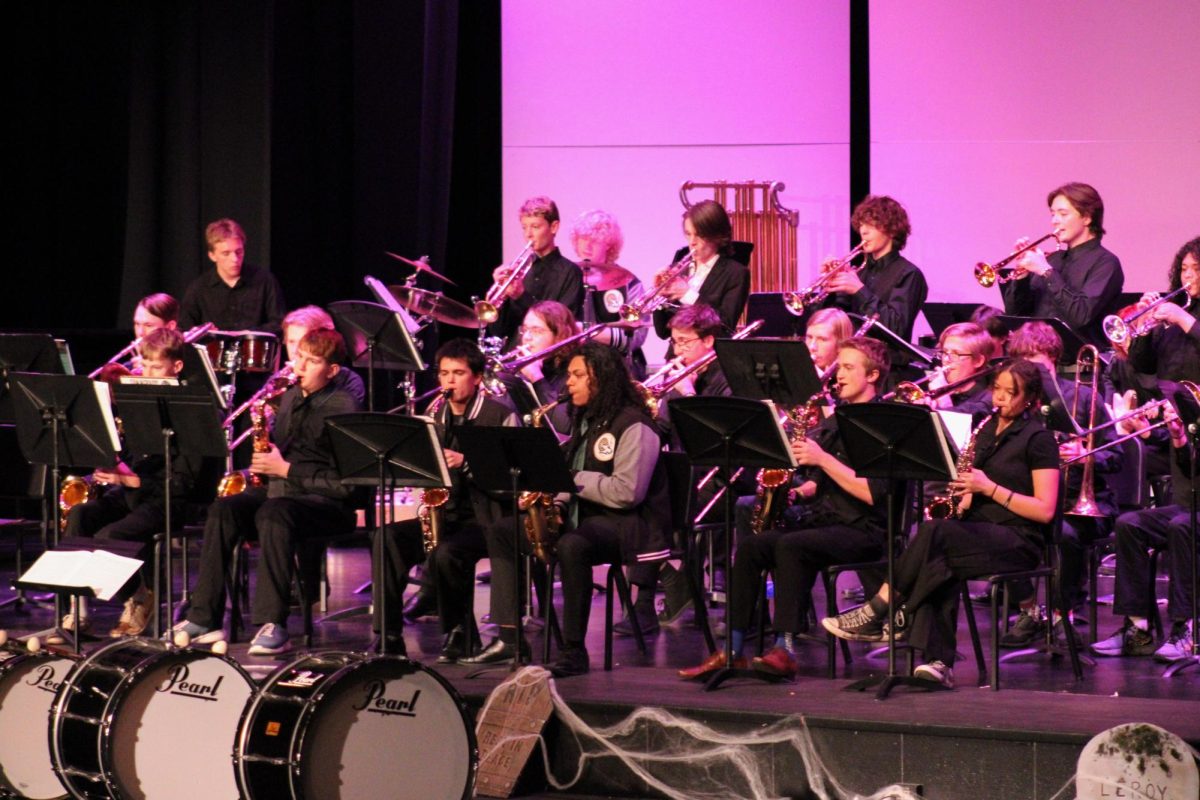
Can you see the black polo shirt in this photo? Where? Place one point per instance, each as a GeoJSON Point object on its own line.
{"type": "Point", "coordinates": [255, 302]}
{"type": "Point", "coordinates": [1024, 446]}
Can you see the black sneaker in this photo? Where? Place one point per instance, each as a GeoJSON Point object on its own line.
{"type": "Point", "coordinates": [1030, 625]}
{"type": "Point", "coordinates": [647, 621]}
{"type": "Point", "coordinates": [1129, 640]}
{"type": "Point", "coordinates": [857, 625]}
{"type": "Point", "coordinates": [571, 662]}
{"type": "Point", "coordinates": [676, 597]}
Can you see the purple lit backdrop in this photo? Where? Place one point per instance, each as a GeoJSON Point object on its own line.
{"type": "Point", "coordinates": [613, 105]}
{"type": "Point", "coordinates": [978, 110]}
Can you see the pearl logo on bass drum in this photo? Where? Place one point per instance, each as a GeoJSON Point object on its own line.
{"type": "Point", "coordinates": [177, 683]}
{"type": "Point", "coordinates": [44, 678]}
{"type": "Point", "coordinates": [376, 701]}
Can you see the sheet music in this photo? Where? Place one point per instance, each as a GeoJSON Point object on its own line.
{"type": "Point", "coordinates": [787, 445]}
{"type": "Point", "coordinates": [104, 572]}
{"type": "Point", "coordinates": [213, 383]}
{"type": "Point", "coordinates": [139, 380]}
{"type": "Point", "coordinates": [958, 425]}
{"type": "Point", "coordinates": [385, 296]}
{"type": "Point", "coordinates": [104, 395]}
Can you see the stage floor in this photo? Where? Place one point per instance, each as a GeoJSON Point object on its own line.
{"type": "Point", "coordinates": [1039, 702]}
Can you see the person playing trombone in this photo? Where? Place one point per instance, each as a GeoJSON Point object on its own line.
{"type": "Point", "coordinates": [1078, 284]}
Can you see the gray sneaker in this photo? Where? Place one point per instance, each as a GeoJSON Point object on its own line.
{"type": "Point", "coordinates": [269, 640]}
{"type": "Point", "coordinates": [936, 672]}
{"type": "Point", "coordinates": [1178, 646]}
{"type": "Point", "coordinates": [857, 625]}
{"type": "Point", "coordinates": [1129, 640]}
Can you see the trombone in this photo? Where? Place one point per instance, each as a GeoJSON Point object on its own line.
{"type": "Point", "coordinates": [488, 309]}
{"type": "Point", "coordinates": [517, 359]}
{"type": "Point", "coordinates": [914, 392]}
{"type": "Point", "coordinates": [1085, 505]}
{"type": "Point", "coordinates": [1119, 330]}
{"type": "Point", "coordinates": [654, 299]}
{"type": "Point", "coordinates": [1190, 386]}
{"type": "Point", "coordinates": [803, 300]}
{"type": "Point", "coordinates": [989, 274]}
{"type": "Point", "coordinates": [655, 387]}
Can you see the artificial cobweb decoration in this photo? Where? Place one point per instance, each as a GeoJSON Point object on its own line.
{"type": "Point", "coordinates": [687, 760]}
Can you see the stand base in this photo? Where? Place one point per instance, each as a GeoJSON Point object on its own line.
{"type": "Point", "coordinates": [888, 682]}
{"type": "Point", "coordinates": [730, 673]}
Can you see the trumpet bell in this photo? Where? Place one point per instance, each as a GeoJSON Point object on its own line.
{"type": "Point", "coordinates": [985, 274]}
{"type": "Point", "coordinates": [486, 312]}
{"type": "Point", "coordinates": [795, 303]}
{"type": "Point", "coordinates": [1115, 329]}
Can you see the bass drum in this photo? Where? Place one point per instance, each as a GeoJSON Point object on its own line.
{"type": "Point", "coordinates": [139, 718]}
{"type": "Point", "coordinates": [347, 726]}
{"type": "Point", "coordinates": [28, 683]}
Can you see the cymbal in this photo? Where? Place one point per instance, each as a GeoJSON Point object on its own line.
{"type": "Point", "coordinates": [425, 303]}
{"type": "Point", "coordinates": [421, 266]}
{"type": "Point", "coordinates": [603, 277]}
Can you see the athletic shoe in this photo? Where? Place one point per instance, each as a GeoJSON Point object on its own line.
{"type": "Point", "coordinates": [1030, 625]}
{"type": "Point", "coordinates": [676, 597]}
{"type": "Point", "coordinates": [936, 672]}
{"type": "Point", "coordinates": [1129, 640]}
{"type": "Point", "coordinates": [857, 625]}
{"type": "Point", "coordinates": [647, 622]}
{"type": "Point", "coordinates": [197, 634]}
{"type": "Point", "coordinates": [269, 640]}
{"type": "Point", "coordinates": [1178, 646]}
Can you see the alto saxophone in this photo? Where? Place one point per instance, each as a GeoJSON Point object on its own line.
{"type": "Point", "coordinates": [543, 517]}
{"type": "Point", "coordinates": [261, 438]}
{"type": "Point", "coordinates": [949, 505]}
{"type": "Point", "coordinates": [431, 509]}
{"type": "Point", "coordinates": [774, 483]}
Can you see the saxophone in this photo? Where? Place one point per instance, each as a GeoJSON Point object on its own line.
{"type": "Point", "coordinates": [774, 483]}
{"type": "Point", "coordinates": [431, 507]}
{"type": "Point", "coordinates": [543, 517]}
{"type": "Point", "coordinates": [234, 481]}
{"type": "Point", "coordinates": [947, 506]}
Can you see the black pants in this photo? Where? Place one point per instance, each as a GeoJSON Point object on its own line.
{"type": "Point", "coordinates": [1166, 528]}
{"type": "Point", "coordinates": [454, 562]}
{"type": "Point", "coordinates": [1077, 534]}
{"type": "Point", "coordinates": [109, 516]}
{"type": "Point", "coordinates": [943, 554]}
{"type": "Point", "coordinates": [508, 567]}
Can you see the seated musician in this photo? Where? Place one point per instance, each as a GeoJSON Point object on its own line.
{"type": "Point", "coordinates": [232, 296]}
{"type": "Point", "coordinates": [988, 318]}
{"type": "Point", "coordinates": [714, 278]}
{"type": "Point", "coordinates": [132, 506]}
{"type": "Point", "coordinates": [304, 495]}
{"type": "Point", "coordinates": [1039, 343]}
{"type": "Point", "coordinates": [844, 520]}
{"type": "Point", "coordinates": [596, 237]}
{"type": "Point", "coordinates": [463, 517]}
{"type": "Point", "coordinates": [297, 324]}
{"type": "Point", "coordinates": [1170, 351]}
{"type": "Point", "coordinates": [152, 312]}
{"type": "Point", "coordinates": [888, 284]}
{"type": "Point", "coordinates": [620, 514]}
{"type": "Point", "coordinates": [964, 348]}
{"type": "Point", "coordinates": [1006, 501]}
{"type": "Point", "coordinates": [551, 277]}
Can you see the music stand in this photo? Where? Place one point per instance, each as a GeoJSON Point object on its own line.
{"type": "Point", "coordinates": [376, 336]}
{"type": "Point", "coordinates": [1188, 409]}
{"type": "Point", "coordinates": [909, 352]}
{"type": "Point", "coordinates": [768, 369]}
{"type": "Point", "coordinates": [721, 432]}
{"type": "Point", "coordinates": [511, 461]}
{"type": "Point", "coordinates": [384, 450]}
{"type": "Point", "coordinates": [895, 442]}
{"type": "Point", "coordinates": [1070, 339]}
{"type": "Point", "coordinates": [777, 320]}
{"type": "Point", "coordinates": [175, 421]}
{"type": "Point", "coordinates": [25, 352]}
{"type": "Point", "coordinates": [63, 419]}
{"type": "Point", "coordinates": [942, 315]}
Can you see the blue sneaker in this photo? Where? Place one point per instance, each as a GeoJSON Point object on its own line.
{"type": "Point", "coordinates": [269, 640]}
{"type": "Point", "coordinates": [198, 634]}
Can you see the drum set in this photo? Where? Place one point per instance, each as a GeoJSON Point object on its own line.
{"type": "Point", "coordinates": [139, 718]}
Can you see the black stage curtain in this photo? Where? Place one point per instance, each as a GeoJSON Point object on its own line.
{"type": "Point", "coordinates": [331, 131]}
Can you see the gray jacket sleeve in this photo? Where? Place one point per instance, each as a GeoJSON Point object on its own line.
{"type": "Point", "coordinates": [633, 467]}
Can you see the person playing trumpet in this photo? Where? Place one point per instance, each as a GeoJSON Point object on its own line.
{"type": "Point", "coordinates": [596, 237]}
{"type": "Point", "coordinates": [1171, 350]}
{"type": "Point", "coordinates": [714, 278]}
{"type": "Point", "coordinates": [1078, 284]}
{"type": "Point", "coordinates": [551, 277]}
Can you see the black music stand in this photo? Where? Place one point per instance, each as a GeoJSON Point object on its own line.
{"type": "Point", "coordinates": [910, 353]}
{"type": "Point", "coordinates": [175, 421]}
{"type": "Point", "coordinates": [895, 442]}
{"type": "Point", "coordinates": [25, 352]}
{"type": "Point", "coordinates": [768, 369]}
{"type": "Point", "coordinates": [1186, 407]}
{"type": "Point", "coordinates": [942, 315]}
{"type": "Point", "coordinates": [1070, 339]}
{"type": "Point", "coordinates": [511, 461]}
{"type": "Point", "coordinates": [63, 419]}
{"type": "Point", "coordinates": [384, 450]}
{"type": "Point", "coordinates": [376, 336]}
{"type": "Point", "coordinates": [722, 432]}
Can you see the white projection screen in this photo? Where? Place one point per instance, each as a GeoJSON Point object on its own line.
{"type": "Point", "coordinates": [978, 110]}
{"type": "Point", "coordinates": [613, 105]}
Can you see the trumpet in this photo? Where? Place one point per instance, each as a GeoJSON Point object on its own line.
{"type": "Point", "coordinates": [800, 302]}
{"type": "Point", "coordinates": [654, 299]}
{"type": "Point", "coordinates": [657, 385]}
{"type": "Point", "coordinates": [488, 309]}
{"type": "Point", "coordinates": [1119, 330]}
{"type": "Point", "coordinates": [990, 274]}
{"type": "Point", "coordinates": [131, 349]}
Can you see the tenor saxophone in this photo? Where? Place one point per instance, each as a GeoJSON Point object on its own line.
{"type": "Point", "coordinates": [543, 517]}
{"type": "Point", "coordinates": [770, 496]}
{"type": "Point", "coordinates": [949, 505]}
{"type": "Point", "coordinates": [431, 509]}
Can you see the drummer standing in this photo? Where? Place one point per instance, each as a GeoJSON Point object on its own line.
{"type": "Point", "coordinates": [552, 276]}
{"type": "Point", "coordinates": [233, 296]}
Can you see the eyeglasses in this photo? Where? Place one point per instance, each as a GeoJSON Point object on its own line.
{"type": "Point", "coordinates": [947, 354]}
{"type": "Point", "coordinates": [536, 330]}
{"type": "Point", "coordinates": [682, 343]}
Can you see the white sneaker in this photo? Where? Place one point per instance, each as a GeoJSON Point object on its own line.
{"type": "Point", "coordinates": [1178, 646]}
{"type": "Point", "coordinates": [936, 672]}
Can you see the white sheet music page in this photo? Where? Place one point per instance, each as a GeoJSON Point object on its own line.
{"type": "Point", "coordinates": [104, 572]}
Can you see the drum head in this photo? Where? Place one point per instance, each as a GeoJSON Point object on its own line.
{"type": "Point", "coordinates": [174, 725]}
{"type": "Point", "coordinates": [27, 688]}
{"type": "Point", "coordinates": [389, 723]}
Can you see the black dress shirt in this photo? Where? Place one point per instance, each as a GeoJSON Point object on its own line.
{"type": "Point", "coordinates": [895, 289]}
{"type": "Point", "coordinates": [833, 505]}
{"type": "Point", "coordinates": [552, 277]}
{"type": "Point", "coordinates": [303, 441]}
{"type": "Point", "coordinates": [255, 302]}
{"type": "Point", "coordinates": [1167, 352]}
{"type": "Point", "coordinates": [1080, 289]}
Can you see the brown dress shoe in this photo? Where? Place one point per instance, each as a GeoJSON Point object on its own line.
{"type": "Point", "coordinates": [710, 665]}
{"type": "Point", "coordinates": [778, 662]}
